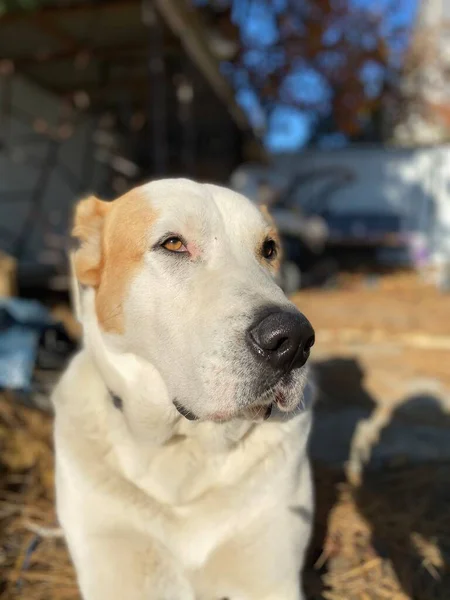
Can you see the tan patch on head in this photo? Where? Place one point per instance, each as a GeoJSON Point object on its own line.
{"type": "Point", "coordinates": [113, 238]}
{"type": "Point", "coordinates": [273, 234]}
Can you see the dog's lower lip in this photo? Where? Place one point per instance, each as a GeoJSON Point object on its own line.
{"type": "Point", "coordinates": [280, 398]}
{"type": "Point", "coordinates": [187, 414]}
{"type": "Point", "coordinates": [283, 381]}
{"type": "Point", "coordinates": [268, 412]}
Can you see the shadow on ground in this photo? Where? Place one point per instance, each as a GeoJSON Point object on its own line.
{"type": "Point", "coordinates": [389, 535]}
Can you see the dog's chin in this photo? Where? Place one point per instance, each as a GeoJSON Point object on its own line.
{"type": "Point", "coordinates": [285, 396]}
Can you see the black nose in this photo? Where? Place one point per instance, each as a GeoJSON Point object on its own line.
{"type": "Point", "coordinates": [282, 338]}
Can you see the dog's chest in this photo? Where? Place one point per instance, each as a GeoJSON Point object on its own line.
{"type": "Point", "coordinates": [204, 494]}
{"type": "Point", "coordinates": [179, 472]}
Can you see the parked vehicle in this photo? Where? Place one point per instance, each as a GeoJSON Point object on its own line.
{"type": "Point", "coordinates": [355, 206]}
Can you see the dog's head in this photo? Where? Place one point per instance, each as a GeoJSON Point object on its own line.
{"type": "Point", "coordinates": [184, 278]}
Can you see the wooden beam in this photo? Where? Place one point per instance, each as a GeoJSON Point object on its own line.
{"type": "Point", "coordinates": [186, 25]}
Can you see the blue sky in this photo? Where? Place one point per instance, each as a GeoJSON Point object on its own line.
{"type": "Point", "coordinates": [289, 128]}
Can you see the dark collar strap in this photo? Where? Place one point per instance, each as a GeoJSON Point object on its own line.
{"type": "Point", "coordinates": [116, 400]}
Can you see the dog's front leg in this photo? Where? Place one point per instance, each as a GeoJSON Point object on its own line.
{"type": "Point", "coordinates": [128, 567]}
{"type": "Point", "coordinates": [262, 562]}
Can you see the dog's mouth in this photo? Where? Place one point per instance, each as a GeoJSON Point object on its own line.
{"type": "Point", "coordinates": [276, 395]}
{"type": "Point", "coordinates": [279, 392]}
{"type": "Point", "coordinates": [184, 412]}
{"type": "Point", "coordinates": [259, 412]}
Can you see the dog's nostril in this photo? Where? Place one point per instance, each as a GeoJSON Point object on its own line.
{"type": "Point", "coordinates": [268, 341]}
{"type": "Point", "coordinates": [279, 343]}
{"type": "Point", "coordinates": [310, 343]}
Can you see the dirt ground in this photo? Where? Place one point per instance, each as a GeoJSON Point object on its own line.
{"type": "Point", "coordinates": [399, 331]}
{"type": "Point", "coordinates": [386, 538]}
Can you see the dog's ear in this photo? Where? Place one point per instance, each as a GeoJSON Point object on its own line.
{"type": "Point", "coordinates": [89, 221]}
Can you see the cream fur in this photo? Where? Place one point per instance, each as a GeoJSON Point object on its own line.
{"type": "Point", "coordinates": [156, 507]}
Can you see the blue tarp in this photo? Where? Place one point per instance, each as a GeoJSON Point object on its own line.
{"type": "Point", "coordinates": [22, 323]}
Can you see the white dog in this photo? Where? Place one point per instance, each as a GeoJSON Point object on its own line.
{"type": "Point", "coordinates": [181, 427]}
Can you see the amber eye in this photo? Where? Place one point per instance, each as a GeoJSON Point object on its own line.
{"type": "Point", "coordinates": [269, 249]}
{"type": "Point", "coordinates": [174, 244]}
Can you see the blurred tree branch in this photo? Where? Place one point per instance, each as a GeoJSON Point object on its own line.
{"type": "Point", "coordinates": [329, 59]}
